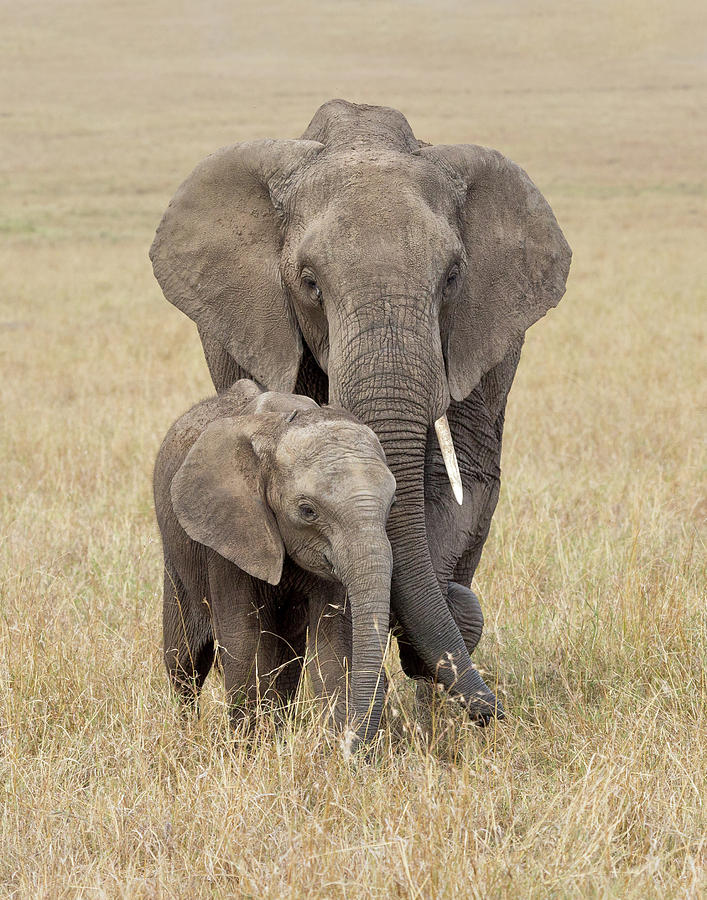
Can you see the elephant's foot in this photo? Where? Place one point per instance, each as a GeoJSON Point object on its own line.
{"type": "Point", "coordinates": [437, 715]}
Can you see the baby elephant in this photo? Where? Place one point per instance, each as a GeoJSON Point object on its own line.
{"type": "Point", "coordinates": [272, 512]}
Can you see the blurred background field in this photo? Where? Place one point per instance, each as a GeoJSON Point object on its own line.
{"type": "Point", "coordinates": [593, 578]}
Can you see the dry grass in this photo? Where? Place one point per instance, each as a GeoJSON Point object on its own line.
{"type": "Point", "coordinates": [593, 578]}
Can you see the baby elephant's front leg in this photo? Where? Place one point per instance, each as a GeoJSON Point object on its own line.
{"type": "Point", "coordinates": [247, 648]}
{"type": "Point", "coordinates": [330, 651]}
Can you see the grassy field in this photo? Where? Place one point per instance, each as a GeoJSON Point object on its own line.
{"type": "Point", "coordinates": [593, 579]}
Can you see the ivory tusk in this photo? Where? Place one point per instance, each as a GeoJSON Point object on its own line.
{"type": "Point", "coordinates": [446, 445]}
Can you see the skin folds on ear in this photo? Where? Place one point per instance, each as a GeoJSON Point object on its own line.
{"type": "Point", "coordinates": [518, 260]}
{"type": "Point", "coordinates": [216, 255]}
{"type": "Point", "coordinates": [219, 500]}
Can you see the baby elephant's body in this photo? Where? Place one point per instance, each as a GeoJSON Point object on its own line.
{"type": "Point", "coordinates": [272, 512]}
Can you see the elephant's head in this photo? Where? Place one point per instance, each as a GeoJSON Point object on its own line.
{"type": "Point", "coordinates": [409, 270]}
{"type": "Point", "coordinates": [288, 476]}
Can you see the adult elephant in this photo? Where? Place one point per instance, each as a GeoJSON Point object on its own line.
{"type": "Point", "coordinates": [396, 279]}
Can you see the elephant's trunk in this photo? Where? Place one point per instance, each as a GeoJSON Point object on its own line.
{"type": "Point", "coordinates": [415, 595]}
{"type": "Point", "coordinates": [366, 575]}
{"type": "Point", "coordinates": [399, 394]}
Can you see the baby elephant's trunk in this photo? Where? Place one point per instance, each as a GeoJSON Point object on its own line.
{"type": "Point", "coordinates": [366, 576]}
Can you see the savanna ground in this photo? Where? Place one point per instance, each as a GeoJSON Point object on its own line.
{"type": "Point", "coordinates": [593, 576]}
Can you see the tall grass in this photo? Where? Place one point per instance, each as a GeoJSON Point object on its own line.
{"type": "Point", "coordinates": [593, 578]}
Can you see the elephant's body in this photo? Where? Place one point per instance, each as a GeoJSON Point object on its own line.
{"type": "Point", "coordinates": [219, 598]}
{"type": "Point", "coordinates": [396, 279]}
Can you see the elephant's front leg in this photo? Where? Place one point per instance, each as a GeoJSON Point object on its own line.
{"type": "Point", "coordinates": [247, 644]}
{"type": "Point", "coordinates": [466, 611]}
{"type": "Point", "coordinates": [330, 650]}
{"type": "Point", "coordinates": [291, 622]}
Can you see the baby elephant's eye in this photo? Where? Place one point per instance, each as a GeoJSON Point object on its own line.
{"type": "Point", "coordinates": [307, 511]}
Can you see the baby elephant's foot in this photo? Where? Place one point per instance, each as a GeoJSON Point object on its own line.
{"type": "Point", "coordinates": [466, 611]}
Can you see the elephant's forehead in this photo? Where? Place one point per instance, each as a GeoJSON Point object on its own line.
{"type": "Point", "coordinates": [363, 177]}
{"type": "Point", "coordinates": [344, 448]}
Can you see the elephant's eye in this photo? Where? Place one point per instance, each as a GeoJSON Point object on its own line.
{"type": "Point", "coordinates": [452, 278]}
{"type": "Point", "coordinates": [307, 511]}
{"type": "Point", "coordinates": [312, 287]}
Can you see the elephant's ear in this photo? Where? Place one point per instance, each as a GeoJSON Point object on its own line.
{"type": "Point", "coordinates": [218, 497]}
{"type": "Point", "coordinates": [216, 255]}
{"type": "Point", "coordinates": [518, 260]}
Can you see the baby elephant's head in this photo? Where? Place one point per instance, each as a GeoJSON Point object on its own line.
{"type": "Point", "coordinates": [331, 492]}
{"type": "Point", "coordinates": [288, 476]}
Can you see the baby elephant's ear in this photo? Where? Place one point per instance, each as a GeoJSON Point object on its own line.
{"type": "Point", "coordinates": [219, 499]}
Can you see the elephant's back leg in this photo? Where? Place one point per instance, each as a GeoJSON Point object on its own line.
{"type": "Point", "coordinates": [188, 640]}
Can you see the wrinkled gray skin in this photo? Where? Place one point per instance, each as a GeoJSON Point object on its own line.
{"type": "Point", "coordinates": [398, 279]}
{"type": "Point", "coordinates": [272, 513]}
